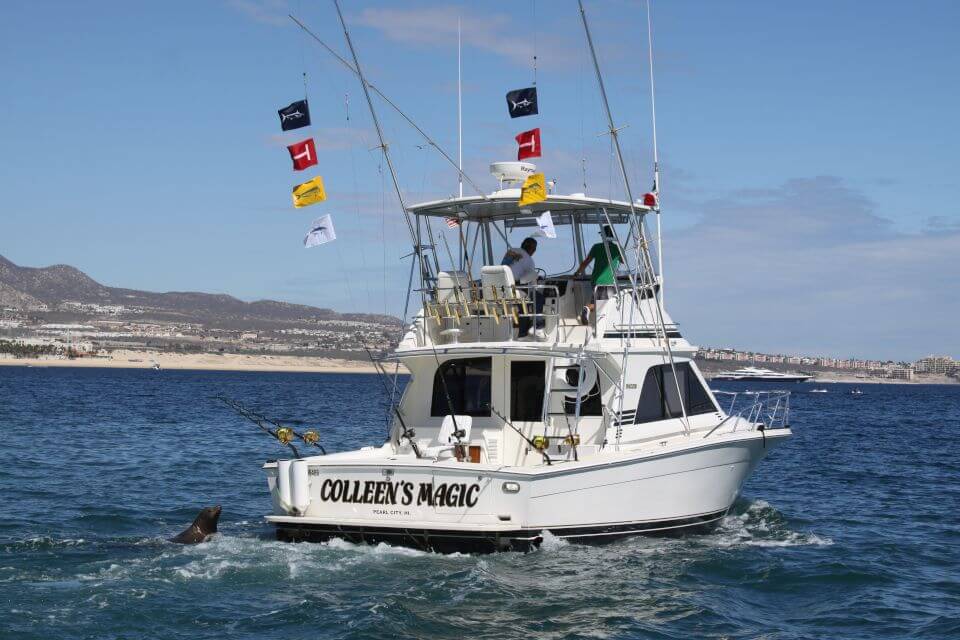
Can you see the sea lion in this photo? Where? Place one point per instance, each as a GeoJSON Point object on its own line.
{"type": "Point", "coordinates": [204, 525]}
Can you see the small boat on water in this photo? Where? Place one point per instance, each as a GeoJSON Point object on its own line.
{"type": "Point", "coordinates": [818, 391]}
{"type": "Point", "coordinates": [757, 374]}
{"type": "Point", "coordinates": [856, 392]}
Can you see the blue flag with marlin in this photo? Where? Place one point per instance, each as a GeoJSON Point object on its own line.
{"type": "Point", "coordinates": [294, 116]}
{"type": "Point", "coordinates": [522, 102]}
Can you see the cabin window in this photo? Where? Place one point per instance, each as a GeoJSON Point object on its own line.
{"type": "Point", "coordinates": [464, 384]}
{"type": "Point", "coordinates": [527, 380]}
{"type": "Point", "coordinates": [659, 399]}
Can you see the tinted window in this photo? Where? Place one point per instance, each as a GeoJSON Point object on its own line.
{"type": "Point", "coordinates": [651, 397]}
{"type": "Point", "coordinates": [698, 400]}
{"type": "Point", "coordinates": [464, 384]}
{"type": "Point", "coordinates": [526, 390]}
{"type": "Point", "coordinates": [659, 399]}
{"type": "Point", "coordinates": [670, 389]}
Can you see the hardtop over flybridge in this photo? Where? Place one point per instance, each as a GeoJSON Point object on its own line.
{"type": "Point", "coordinates": [568, 403]}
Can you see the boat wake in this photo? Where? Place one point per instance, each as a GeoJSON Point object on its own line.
{"type": "Point", "coordinates": [761, 525]}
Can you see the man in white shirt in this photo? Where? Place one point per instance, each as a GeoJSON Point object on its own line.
{"type": "Point", "coordinates": [524, 271]}
{"type": "Point", "coordinates": [521, 262]}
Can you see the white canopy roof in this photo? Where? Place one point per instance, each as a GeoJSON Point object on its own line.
{"type": "Point", "coordinates": [503, 206]}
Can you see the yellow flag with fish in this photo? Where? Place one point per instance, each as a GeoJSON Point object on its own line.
{"type": "Point", "coordinates": [534, 190]}
{"type": "Point", "coordinates": [309, 192]}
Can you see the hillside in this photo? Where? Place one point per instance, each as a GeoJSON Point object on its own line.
{"type": "Point", "coordinates": [65, 288]}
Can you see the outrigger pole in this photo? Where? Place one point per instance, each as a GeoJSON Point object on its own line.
{"type": "Point", "coordinates": [414, 234]}
{"type": "Point", "coordinates": [392, 104]}
{"type": "Point", "coordinates": [643, 249]}
{"type": "Point", "coordinates": [656, 157]}
{"type": "Point", "coordinates": [459, 115]}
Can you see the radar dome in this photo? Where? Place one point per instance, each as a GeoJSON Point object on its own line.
{"type": "Point", "coordinates": [512, 171]}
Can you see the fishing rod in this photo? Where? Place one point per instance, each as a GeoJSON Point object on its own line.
{"type": "Point", "coordinates": [407, 432]}
{"type": "Point", "coordinates": [284, 435]}
{"type": "Point", "coordinates": [530, 442]}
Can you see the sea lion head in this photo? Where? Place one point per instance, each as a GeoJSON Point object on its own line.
{"type": "Point", "coordinates": [208, 518]}
{"type": "Point", "coordinates": [203, 526]}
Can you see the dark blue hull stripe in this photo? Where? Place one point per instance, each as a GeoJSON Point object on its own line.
{"type": "Point", "coordinates": [446, 541]}
{"type": "Point", "coordinates": [639, 334]}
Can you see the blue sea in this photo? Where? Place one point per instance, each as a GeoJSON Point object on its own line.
{"type": "Point", "coordinates": [850, 530]}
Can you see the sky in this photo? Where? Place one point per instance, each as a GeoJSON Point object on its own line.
{"type": "Point", "coordinates": [809, 150]}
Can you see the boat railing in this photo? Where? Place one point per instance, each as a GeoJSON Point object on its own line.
{"type": "Point", "coordinates": [766, 409]}
{"type": "Point", "coordinates": [453, 309]}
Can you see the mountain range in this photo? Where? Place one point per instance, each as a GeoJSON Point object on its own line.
{"type": "Point", "coordinates": [33, 289]}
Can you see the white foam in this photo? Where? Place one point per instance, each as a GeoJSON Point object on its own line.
{"type": "Point", "coordinates": [551, 542]}
{"type": "Point", "coordinates": [761, 525]}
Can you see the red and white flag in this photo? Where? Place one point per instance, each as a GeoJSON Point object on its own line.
{"type": "Point", "coordinates": [529, 144]}
{"type": "Point", "coordinates": [652, 198]}
{"type": "Point", "coordinates": [453, 223]}
{"type": "Point", "coordinates": [303, 154]}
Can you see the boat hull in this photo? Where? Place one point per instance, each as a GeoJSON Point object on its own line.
{"type": "Point", "coordinates": [479, 541]}
{"type": "Point", "coordinates": [684, 490]}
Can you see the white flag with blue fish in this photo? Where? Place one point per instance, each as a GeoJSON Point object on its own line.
{"type": "Point", "coordinates": [545, 224]}
{"type": "Point", "coordinates": [321, 232]}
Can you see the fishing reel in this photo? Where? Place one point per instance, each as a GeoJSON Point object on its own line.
{"type": "Point", "coordinates": [284, 435]}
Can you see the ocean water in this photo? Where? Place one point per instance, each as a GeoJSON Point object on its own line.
{"type": "Point", "coordinates": [850, 530]}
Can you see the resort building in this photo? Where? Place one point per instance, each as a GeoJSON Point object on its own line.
{"type": "Point", "coordinates": [941, 365]}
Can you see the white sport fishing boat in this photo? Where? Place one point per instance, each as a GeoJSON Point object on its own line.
{"type": "Point", "coordinates": [758, 374]}
{"type": "Point", "coordinates": [513, 422]}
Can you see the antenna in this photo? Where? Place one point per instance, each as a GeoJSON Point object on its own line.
{"type": "Point", "coordinates": [459, 116]}
{"type": "Point", "coordinates": [656, 157]}
{"type": "Point", "coordinates": [643, 250]}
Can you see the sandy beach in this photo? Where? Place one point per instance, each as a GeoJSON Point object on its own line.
{"type": "Point", "coordinates": [200, 362]}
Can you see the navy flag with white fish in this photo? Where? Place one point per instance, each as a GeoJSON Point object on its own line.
{"type": "Point", "coordinates": [295, 116]}
{"type": "Point", "coordinates": [522, 102]}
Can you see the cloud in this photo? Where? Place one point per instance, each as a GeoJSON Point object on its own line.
{"type": "Point", "coordinates": [436, 26]}
{"type": "Point", "coordinates": [809, 267]}
{"type": "Point", "coordinates": [938, 224]}
{"type": "Point", "coordinates": [272, 12]}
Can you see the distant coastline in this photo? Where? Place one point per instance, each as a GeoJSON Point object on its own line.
{"type": "Point", "coordinates": [129, 359]}
{"type": "Point", "coordinates": [828, 378]}
{"type": "Point", "coordinates": [134, 359]}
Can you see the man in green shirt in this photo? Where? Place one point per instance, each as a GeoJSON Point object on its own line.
{"type": "Point", "coordinates": [606, 258]}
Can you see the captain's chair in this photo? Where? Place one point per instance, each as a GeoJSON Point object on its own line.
{"type": "Point", "coordinates": [452, 286]}
{"type": "Point", "coordinates": [497, 282]}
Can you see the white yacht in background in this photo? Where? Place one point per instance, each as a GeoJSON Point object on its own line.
{"type": "Point", "coordinates": [522, 414]}
{"type": "Point", "coordinates": [756, 374]}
